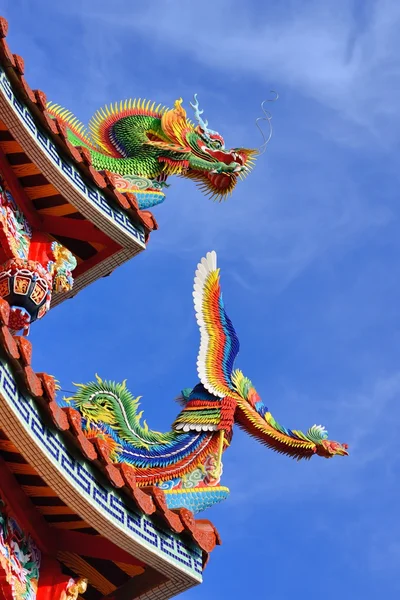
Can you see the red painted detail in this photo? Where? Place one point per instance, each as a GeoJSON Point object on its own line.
{"type": "Point", "coordinates": [62, 132]}
{"type": "Point", "coordinates": [8, 343]}
{"type": "Point", "coordinates": [75, 421]}
{"type": "Point", "coordinates": [7, 58]}
{"type": "Point", "coordinates": [146, 477]}
{"type": "Point", "coordinates": [122, 201]}
{"type": "Point", "coordinates": [32, 382]}
{"type": "Point", "coordinates": [94, 547]}
{"type": "Point", "coordinates": [23, 202]}
{"type": "Point", "coordinates": [4, 312]}
{"type": "Point", "coordinates": [40, 248]}
{"type": "Point", "coordinates": [19, 64]}
{"type": "Point", "coordinates": [28, 91]}
{"type": "Point", "coordinates": [25, 350]}
{"type": "Point", "coordinates": [228, 407]}
{"type": "Point", "coordinates": [24, 512]}
{"type": "Point", "coordinates": [49, 386]}
{"type": "Point", "coordinates": [6, 592]}
{"type": "Point", "coordinates": [171, 518]}
{"type": "Point", "coordinates": [97, 177]}
{"type": "Point", "coordinates": [205, 537]}
{"type": "Point", "coordinates": [58, 416]}
{"type": "Point", "coordinates": [111, 470]}
{"type": "Point", "coordinates": [51, 126]}
{"type": "Point", "coordinates": [74, 229]}
{"type": "Point", "coordinates": [85, 154]}
{"type": "Point", "coordinates": [52, 582]}
{"type": "Point", "coordinates": [41, 99]}
{"type": "Point", "coordinates": [142, 500]}
{"type": "Point", "coordinates": [148, 219]}
{"type": "Point", "coordinates": [133, 203]}
{"type": "Point", "coordinates": [3, 27]}
{"type": "Point", "coordinates": [19, 320]}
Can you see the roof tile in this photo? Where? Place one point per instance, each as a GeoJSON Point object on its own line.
{"type": "Point", "coordinates": [75, 420]}
{"type": "Point", "coordinates": [143, 501]}
{"type": "Point", "coordinates": [58, 416]}
{"type": "Point", "coordinates": [41, 99]}
{"type": "Point", "coordinates": [49, 386]}
{"type": "Point", "coordinates": [8, 343]}
{"type": "Point", "coordinates": [9, 60]}
{"type": "Point", "coordinates": [28, 91]}
{"type": "Point", "coordinates": [32, 382]}
{"type": "Point", "coordinates": [4, 312]}
{"type": "Point", "coordinates": [19, 64]}
{"type": "Point", "coordinates": [3, 27]}
{"type": "Point", "coordinates": [25, 350]}
{"type": "Point", "coordinates": [168, 515]}
{"type": "Point", "coordinates": [85, 154]}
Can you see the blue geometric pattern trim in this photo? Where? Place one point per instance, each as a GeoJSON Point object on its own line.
{"type": "Point", "coordinates": [187, 556]}
{"type": "Point", "coordinates": [119, 218]}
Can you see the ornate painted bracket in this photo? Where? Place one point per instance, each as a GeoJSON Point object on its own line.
{"type": "Point", "coordinates": [19, 560]}
{"type": "Point", "coordinates": [32, 266]}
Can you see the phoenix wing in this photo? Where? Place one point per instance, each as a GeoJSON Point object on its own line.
{"type": "Point", "coordinates": [219, 344]}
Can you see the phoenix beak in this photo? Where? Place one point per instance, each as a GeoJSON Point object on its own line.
{"type": "Point", "coordinates": [343, 451]}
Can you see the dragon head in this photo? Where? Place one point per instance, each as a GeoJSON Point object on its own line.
{"type": "Point", "coordinates": [199, 153]}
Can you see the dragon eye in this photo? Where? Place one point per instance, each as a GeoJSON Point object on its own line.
{"type": "Point", "coordinates": [216, 144]}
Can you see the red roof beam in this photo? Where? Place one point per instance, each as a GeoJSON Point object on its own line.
{"type": "Point", "coordinates": [75, 229]}
{"type": "Point", "coordinates": [23, 201]}
{"type": "Point", "coordinates": [24, 512]}
{"type": "Point", "coordinates": [94, 546]}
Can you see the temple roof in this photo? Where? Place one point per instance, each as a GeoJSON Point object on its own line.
{"type": "Point", "coordinates": [56, 186]}
{"type": "Point", "coordinates": [46, 460]}
{"type": "Point", "coordinates": [40, 491]}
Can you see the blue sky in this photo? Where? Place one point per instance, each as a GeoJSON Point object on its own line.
{"type": "Point", "coordinates": [309, 251]}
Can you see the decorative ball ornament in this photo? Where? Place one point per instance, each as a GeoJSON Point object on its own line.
{"type": "Point", "coordinates": [27, 287]}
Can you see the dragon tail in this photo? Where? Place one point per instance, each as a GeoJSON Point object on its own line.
{"type": "Point", "coordinates": [76, 131]}
{"type": "Point", "coordinates": [112, 406]}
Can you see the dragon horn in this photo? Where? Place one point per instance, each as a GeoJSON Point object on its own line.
{"type": "Point", "coordinates": [197, 113]}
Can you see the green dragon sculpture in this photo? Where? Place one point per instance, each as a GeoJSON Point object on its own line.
{"type": "Point", "coordinates": [141, 144]}
{"type": "Point", "coordinates": [186, 462]}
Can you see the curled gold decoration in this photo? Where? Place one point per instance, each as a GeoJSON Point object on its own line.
{"type": "Point", "coordinates": [77, 588]}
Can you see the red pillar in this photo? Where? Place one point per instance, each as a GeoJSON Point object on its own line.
{"type": "Point", "coordinates": [52, 582]}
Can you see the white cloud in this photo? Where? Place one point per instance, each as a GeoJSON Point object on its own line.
{"type": "Point", "coordinates": [344, 56]}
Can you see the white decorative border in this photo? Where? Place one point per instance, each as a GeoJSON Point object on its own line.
{"type": "Point", "coordinates": [82, 488]}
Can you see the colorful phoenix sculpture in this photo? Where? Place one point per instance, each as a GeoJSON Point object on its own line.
{"type": "Point", "coordinates": [186, 462]}
{"type": "Point", "coordinates": [140, 144]}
